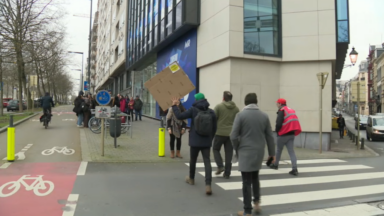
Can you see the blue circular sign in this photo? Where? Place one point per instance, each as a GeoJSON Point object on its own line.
{"type": "Point", "coordinates": [103, 98]}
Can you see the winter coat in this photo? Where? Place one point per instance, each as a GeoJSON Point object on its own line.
{"type": "Point", "coordinates": [196, 140]}
{"type": "Point", "coordinates": [225, 114]}
{"type": "Point", "coordinates": [78, 101]}
{"type": "Point", "coordinates": [251, 131]}
{"type": "Point", "coordinates": [122, 105]}
{"type": "Point", "coordinates": [138, 104]}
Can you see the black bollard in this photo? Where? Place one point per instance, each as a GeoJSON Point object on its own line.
{"type": "Point", "coordinates": [353, 137]}
{"type": "Point", "coordinates": [362, 143]}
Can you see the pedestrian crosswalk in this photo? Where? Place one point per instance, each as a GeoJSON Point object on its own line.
{"type": "Point", "coordinates": [318, 180]}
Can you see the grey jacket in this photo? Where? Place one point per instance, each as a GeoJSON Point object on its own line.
{"type": "Point", "coordinates": [251, 131]}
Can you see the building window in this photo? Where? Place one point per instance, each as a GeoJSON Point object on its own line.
{"type": "Point", "coordinates": [262, 27]}
{"type": "Point", "coordinates": [128, 79]}
{"type": "Point", "coordinates": [342, 21]}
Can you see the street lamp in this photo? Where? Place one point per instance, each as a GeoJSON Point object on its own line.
{"type": "Point", "coordinates": [322, 77]}
{"type": "Point", "coordinates": [82, 65]}
{"type": "Point", "coordinates": [353, 56]}
{"type": "Point", "coordinates": [79, 79]}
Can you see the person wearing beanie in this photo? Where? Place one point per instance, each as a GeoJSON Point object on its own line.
{"type": "Point", "coordinates": [287, 127]}
{"type": "Point", "coordinates": [225, 114]}
{"type": "Point", "coordinates": [202, 132]}
{"type": "Point", "coordinates": [250, 132]}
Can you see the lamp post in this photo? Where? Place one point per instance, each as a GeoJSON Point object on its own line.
{"type": "Point", "coordinates": [82, 65]}
{"type": "Point", "coordinates": [322, 77]}
{"type": "Point", "coordinates": [353, 56]}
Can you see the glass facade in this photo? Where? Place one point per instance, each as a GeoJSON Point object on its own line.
{"type": "Point", "coordinates": [342, 21]}
{"type": "Point", "coordinates": [140, 77]}
{"type": "Point", "coordinates": [149, 23]}
{"type": "Point", "coordinates": [262, 27]}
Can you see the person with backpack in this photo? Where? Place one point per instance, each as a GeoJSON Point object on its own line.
{"type": "Point", "coordinates": [201, 134]}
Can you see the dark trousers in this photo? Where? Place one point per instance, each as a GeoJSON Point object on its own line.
{"type": "Point", "coordinates": [130, 112]}
{"type": "Point", "coordinates": [250, 184]}
{"type": "Point", "coordinates": [228, 149]}
{"type": "Point", "coordinates": [138, 113]}
{"type": "Point", "coordinates": [206, 152]}
{"type": "Point", "coordinates": [172, 142]}
{"type": "Point", "coordinates": [45, 109]}
{"type": "Point", "coordinates": [87, 116]}
{"type": "Point", "coordinates": [341, 130]}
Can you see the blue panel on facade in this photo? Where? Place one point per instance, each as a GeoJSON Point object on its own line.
{"type": "Point", "coordinates": [184, 51]}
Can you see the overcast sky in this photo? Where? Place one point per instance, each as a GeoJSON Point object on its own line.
{"type": "Point", "coordinates": [366, 23]}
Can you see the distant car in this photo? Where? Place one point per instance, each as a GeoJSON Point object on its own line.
{"type": "Point", "coordinates": [14, 105]}
{"type": "Point", "coordinates": [363, 122]}
{"type": "Point", "coordinates": [5, 102]}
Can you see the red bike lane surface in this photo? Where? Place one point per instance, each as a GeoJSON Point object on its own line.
{"type": "Point", "coordinates": [49, 184]}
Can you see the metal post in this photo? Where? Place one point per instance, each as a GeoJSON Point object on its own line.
{"type": "Point", "coordinates": [362, 143]}
{"type": "Point", "coordinates": [115, 126]}
{"type": "Point", "coordinates": [82, 75]}
{"type": "Point", "coordinates": [321, 115]}
{"type": "Point", "coordinates": [89, 49]}
{"type": "Point", "coordinates": [102, 137]}
{"type": "Point", "coordinates": [358, 114]}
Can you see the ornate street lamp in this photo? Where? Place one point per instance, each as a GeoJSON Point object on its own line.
{"type": "Point", "coordinates": [353, 57]}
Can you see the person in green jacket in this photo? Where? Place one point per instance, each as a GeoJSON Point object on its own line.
{"type": "Point", "coordinates": [225, 113]}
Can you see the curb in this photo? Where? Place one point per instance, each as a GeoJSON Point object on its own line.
{"type": "Point", "coordinates": [371, 150]}
{"type": "Point", "coordinates": [18, 122]}
{"type": "Point", "coordinates": [84, 147]}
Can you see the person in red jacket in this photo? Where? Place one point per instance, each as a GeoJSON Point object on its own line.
{"type": "Point", "coordinates": [287, 127]}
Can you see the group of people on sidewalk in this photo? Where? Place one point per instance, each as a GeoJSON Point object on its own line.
{"type": "Point", "coordinates": [83, 105]}
{"type": "Point", "coordinates": [243, 134]}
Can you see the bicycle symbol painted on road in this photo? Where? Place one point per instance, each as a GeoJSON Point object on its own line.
{"type": "Point", "coordinates": [64, 150]}
{"type": "Point", "coordinates": [39, 186]}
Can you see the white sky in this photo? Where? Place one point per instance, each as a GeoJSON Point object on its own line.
{"type": "Point", "coordinates": [78, 33]}
{"type": "Point", "coordinates": [366, 28]}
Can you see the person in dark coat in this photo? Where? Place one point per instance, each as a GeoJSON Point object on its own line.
{"type": "Point", "coordinates": [197, 142]}
{"type": "Point", "coordinates": [46, 103]}
{"type": "Point", "coordinates": [78, 109]}
{"type": "Point", "coordinates": [341, 124]}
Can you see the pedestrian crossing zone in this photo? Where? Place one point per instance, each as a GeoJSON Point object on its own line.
{"type": "Point", "coordinates": [319, 180]}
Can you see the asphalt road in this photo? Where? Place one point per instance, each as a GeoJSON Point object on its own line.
{"type": "Point", "coordinates": [62, 185]}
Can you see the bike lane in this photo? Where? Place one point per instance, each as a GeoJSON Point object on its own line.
{"type": "Point", "coordinates": [41, 179]}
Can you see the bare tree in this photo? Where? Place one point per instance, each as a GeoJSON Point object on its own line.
{"type": "Point", "coordinates": [19, 18]}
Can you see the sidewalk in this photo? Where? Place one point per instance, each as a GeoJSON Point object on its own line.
{"type": "Point", "coordinates": [143, 147]}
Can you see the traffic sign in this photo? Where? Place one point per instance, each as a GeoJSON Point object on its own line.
{"type": "Point", "coordinates": [103, 112]}
{"type": "Point", "coordinates": [103, 98]}
{"type": "Point", "coordinates": [85, 85]}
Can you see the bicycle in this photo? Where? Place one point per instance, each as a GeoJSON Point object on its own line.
{"type": "Point", "coordinates": [46, 119]}
{"type": "Point", "coordinates": [36, 186]}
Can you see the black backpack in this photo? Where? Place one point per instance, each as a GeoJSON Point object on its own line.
{"type": "Point", "coordinates": [203, 123]}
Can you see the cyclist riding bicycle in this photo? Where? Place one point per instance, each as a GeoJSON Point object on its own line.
{"type": "Point", "coordinates": [46, 102]}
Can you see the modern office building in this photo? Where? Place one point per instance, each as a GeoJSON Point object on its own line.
{"type": "Point", "coordinates": [272, 47]}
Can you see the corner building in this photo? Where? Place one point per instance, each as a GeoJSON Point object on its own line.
{"type": "Point", "coordinates": [272, 47]}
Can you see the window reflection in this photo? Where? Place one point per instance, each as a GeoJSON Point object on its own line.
{"type": "Point", "coordinates": [261, 27]}
{"type": "Point", "coordinates": [178, 14]}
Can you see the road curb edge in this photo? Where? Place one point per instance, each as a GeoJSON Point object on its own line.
{"type": "Point", "coordinates": [18, 122]}
{"type": "Point", "coordinates": [85, 155]}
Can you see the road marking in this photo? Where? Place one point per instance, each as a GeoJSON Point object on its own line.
{"type": "Point", "coordinates": [35, 120]}
{"type": "Point", "coordinates": [70, 207]}
{"type": "Point", "coordinates": [304, 181]}
{"type": "Point", "coordinates": [82, 168]}
{"type": "Point", "coordinates": [39, 186]}
{"type": "Point", "coordinates": [68, 119]}
{"type": "Point", "coordinates": [359, 209]}
{"type": "Point", "coordinates": [201, 165]}
{"type": "Point", "coordinates": [301, 170]}
{"type": "Point", "coordinates": [288, 198]}
{"type": "Point", "coordinates": [5, 165]}
{"type": "Point", "coordinates": [20, 155]}
{"type": "Point", "coordinates": [64, 150]}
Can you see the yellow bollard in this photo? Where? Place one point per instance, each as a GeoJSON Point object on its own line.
{"type": "Point", "coordinates": [11, 141]}
{"type": "Point", "coordinates": [161, 142]}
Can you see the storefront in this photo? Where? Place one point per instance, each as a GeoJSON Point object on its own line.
{"type": "Point", "coordinates": [140, 77]}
